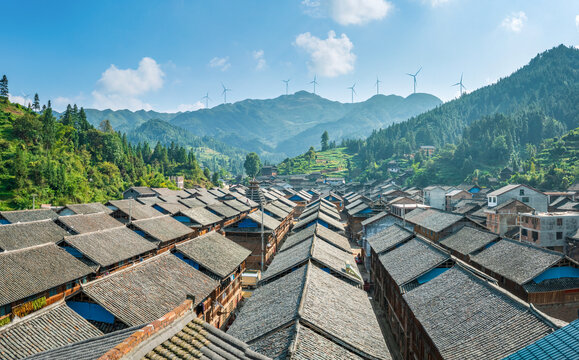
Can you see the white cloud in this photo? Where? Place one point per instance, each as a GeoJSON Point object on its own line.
{"type": "Point", "coordinates": [258, 55]}
{"type": "Point", "coordinates": [348, 12]}
{"type": "Point", "coordinates": [187, 107]}
{"type": "Point", "coordinates": [330, 57]}
{"type": "Point", "coordinates": [515, 22]}
{"type": "Point", "coordinates": [121, 88]}
{"type": "Point", "coordinates": [220, 63]}
{"type": "Point", "coordinates": [22, 100]}
{"type": "Point", "coordinates": [436, 3]}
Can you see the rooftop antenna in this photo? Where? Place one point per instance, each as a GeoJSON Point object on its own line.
{"type": "Point", "coordinates": [206, 98]}
{"type": "Point", "coordinates": [460, 85]}
{"type": "Point", "coordinates": [315, 83]}
{"type": "Point", "coordinates": [224, 93]}
{"type": "Point", "coordinates": [286, 85]}
{"type": "Point", "coordinates": [414, 77]}
{"type": "Point", "coordinates": [377, 85]}
{"type": "Point", "coordinates": [353, 91]}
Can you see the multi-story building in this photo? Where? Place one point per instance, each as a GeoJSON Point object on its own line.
{"type": "Point", "coordinates": [525, 194]}
{"type": "Point", "coordinates": [548, 230]}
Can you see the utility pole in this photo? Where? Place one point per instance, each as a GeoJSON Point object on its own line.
{"type": "Point", "coordinates": [34, 201]}
{"type": "Point", "coordinates": [262, 238]}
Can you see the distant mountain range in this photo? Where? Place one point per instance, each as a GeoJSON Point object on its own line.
{"type": "Point", "coordinates": [274, 128]}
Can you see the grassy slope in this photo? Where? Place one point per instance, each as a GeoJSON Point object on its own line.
{"type": "Point", "coordinates": [333, 162]}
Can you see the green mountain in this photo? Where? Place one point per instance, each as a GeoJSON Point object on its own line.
{"type": "Point", "coordinates": [490, 127]}
{"type": "Point", "coordinates": [210, 153]}
{"type": "Point", "coordinates": [286, 125]}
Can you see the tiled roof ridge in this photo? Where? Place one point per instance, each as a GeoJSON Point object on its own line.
{"type": "Point", "coordinates": [154, 217]}
{"type": "Point", "coordinates": [96, 232]}
{"type": "Point", "coordinates": [31, 316]}
{"type": "Point", "coordinates": [134, 340]}
{"type": "Point", "coordinates": [26, 248]}
{"type": "Point", "coordinates": [27, 222]}
{"type": "Point", "coordinates": [533, 246]}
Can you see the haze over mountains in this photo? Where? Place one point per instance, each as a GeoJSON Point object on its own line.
{"type": "Point", "coordinates": [274, 128]}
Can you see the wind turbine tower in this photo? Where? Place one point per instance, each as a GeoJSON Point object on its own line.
{"type": "Point", "coordinates": [315, 83]}
{"type": "Point", "coordinates": [377, 85]}
{"type": "Point", "coordinates": [460, 85]}
{"type": "Point", "coordinates": [206, 98]}
{"type": "Point", "coordinates": [353, 91]}
{"type": "Point", "coordinates": [414, 77]}
{"type": "Point", "coordinates": [224, 93]}
{"type": "Point", "coordinates": [286, 85]}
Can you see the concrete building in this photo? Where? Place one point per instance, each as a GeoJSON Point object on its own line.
{"type": "Point", "coordinates": [525, 194]}
{"type": "Point", "coordinates": [435, 196]}
{"type": "Point", "coordinates": [549, 230]}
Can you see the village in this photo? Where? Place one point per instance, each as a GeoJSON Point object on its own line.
{"type": "Point", "coordinates": [313, 269]}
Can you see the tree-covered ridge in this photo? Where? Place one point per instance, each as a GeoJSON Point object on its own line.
{"type": "Point", "coordinates": [68, 160]}
{"type": "Point", "coordinates": [548, 84]}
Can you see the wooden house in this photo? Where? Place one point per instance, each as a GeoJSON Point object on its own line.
{"type": "Point", "coordinates": [22, 235]}
{"type": "Point", "coordinates": [302, 325]}
{"type": "Point", "coordinates": [199, 219]}
{"type": "Point", "coordinates": [37, 276]}
{"type": "Point", "coordinates": [320, 232]}
{"type": "Point", "coordinates": [128, 210]}
{"type": "Point", "coordinates": [436, 224]}
{"type": "Point", "coordinates": [143, 293]}
{"type": "Point", "coordinates": [167, 208]}
{"type": "Point", "coordinates": [321, 218]}
{"type": "Point", "coordinates": [227, 213]}
{"type": "Point", "coordinates": [247, 233]}
{"type": "Point", "coordinates": [163, 231]}
{"type": "Point", "coordinates": [504, 217]}
{"type": "Point", "coordinates": [468, 241]}
{"type": "Point", "coordinates": [454, 196]}
{"type": "Point", "coordinates": [109, 250]}
{"type": "Point", "coordinates": [223, 260]}
{"type": "Point", "coordinates": [82, 224]}
{"type": "Point", "coordinates": [20, 216]}
{"type": "Point", "coordinates": [90, 208]}
{"type": "Point", "coordinates": [138, 191]}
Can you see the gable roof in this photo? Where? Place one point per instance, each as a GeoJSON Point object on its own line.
{"type": "Point", "coordinates": [321, 216]}
{"type": "Point", "coordinates": [302, 297]}
{"type": "Point", "coordinates": [412, 259]}
{"type": "Point", "coordinates": [467, 318]}
{"type": "Point", "coordinates": [142, 190]}
{"type": "Point", "coordinates": [321, 232]}
{"type": "Point", "coordinates": [320, 208]}
{"type": "Point", "coordinates": [110, 246]}
{"type": "Point", "coordinates": [192, 202]}
{"type": "Point", "coordinates": [510, 187]}
{"type": "Point", "coordinates": [223, 210]}
{"type": "Point", "coordinates": [135, 209]}
{"type": "Point", "coordinates": [49, 328]}
{"type": "Point", "coordinates": [171, 208]}
{"type": "Point", "coordinates": [355, 210]}
{"type": "Point", "coordinates": [287, 202]}
{"type": "Point", "coordinates": [81, 224]}
{"type": "Point", "coordinates": [268, 221]}
{"type": "Point", "coordinates": [282, 206]}
{"type": "Point", "coordinates": [148, 290]}
{"type": "Point", "coordinates": [30, 271]}
{"type": "Point", "coordinates": [28, 215]}
{"type": "Point", "coordinates": [201, 216]}
{"type": "Point", "coordinates": [150, 200]}
{"type": "Point", "coordinates": [517, 261]}
{"type": "Point", "coordinates": [279, 213]}
{"type": "Point", "coordinates": [23, 235]}
{"type": "Point", "coordinates": [433, 219]}
{"type": "Point", "coordinates": [89, 208]}
{"type": "Point", "coordinates": [214, 252]}
{"type": "Point", "coordinates": [237, 205]}
{"type": "Point", "coordinates": [389, 238]}
{"type": "Point", "coordinates": [468, 239]}
{"type": "Point", "coordinates": [162, 228]}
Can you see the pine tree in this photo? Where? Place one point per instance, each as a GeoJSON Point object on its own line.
{"type": "Point", "coordinates": [48, 128]}
{"type": "Point", "coordinates": [325, 139]}
{"type": "Point", "coordinates": [36, 104]}
{"type": "Point", "coordinates": [4, 88]}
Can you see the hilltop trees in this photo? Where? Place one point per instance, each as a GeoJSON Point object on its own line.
{"type": "Point", "coordinates": [4, 88]}
{"type": "Point", "coordinates": [252, 164]}
{"type": "Point", "coordinates": [325, 141]}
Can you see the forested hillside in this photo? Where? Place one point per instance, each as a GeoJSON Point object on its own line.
{"type": "Point", "coordinates": [67, 160]}
{"type": "Point", "coordinates": [484, 131]}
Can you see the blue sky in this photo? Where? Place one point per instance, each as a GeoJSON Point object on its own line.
{"type": "Point", "coordinates": [166, 55]}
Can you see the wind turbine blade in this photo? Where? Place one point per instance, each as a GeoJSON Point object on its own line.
{"type": "Point", "coordinates": [455, 84]}
{"type": "Point", "coordinates": [418, 71]}
{"type": "Point", "coordinates": [410, 74]}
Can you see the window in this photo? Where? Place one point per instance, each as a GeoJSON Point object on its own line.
{"type": "Point", "coordinates": [69, 285]}
{"type": "Point", "coordinates": [524, 232]}
{"type": "Point", "coordinates": [559, 235]}
{"type": "Point", "coordinates": [525, 199]}
{"type": "Point", "coordinates": [535, 235]}
{"type": "Point", "coordinates": [522, 192]}
{"type": "Point", "coordinates": [52, 292]}
{"type": "Point", "coordinates": [559, 221]}
{"type": "Point", "coordinates": [5, 310]}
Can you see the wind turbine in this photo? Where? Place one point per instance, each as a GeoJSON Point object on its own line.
{"type": "Point", "coordinates": [377, 85]}
{"type": "Point", "coordinates": [224, 93]}
{"type": "Point", "coordinates": [353, 91]}
{"type": "Point", "coordinates": [461, 86]}
{"type": "Point", "coordinates": [286, 85]}
{"type": "Point", "coordinates": [206, 98]}
{"type": "Point", "coordinates": [414, 77]}
{"type": "Point", "coordinates": [315, 83]}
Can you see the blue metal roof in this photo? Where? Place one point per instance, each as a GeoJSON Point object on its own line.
{"type": "Point", "coordinates": [562, 344]}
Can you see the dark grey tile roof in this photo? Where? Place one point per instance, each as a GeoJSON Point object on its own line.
{"type": "Point", "coordinates": [165, 192]}
{"type": "Point", "coordinates": [277, 344]}
{"type": "Point", "coordinates": [28, 215]}
{"type": "Point", "coordinates": [376, 217]}
{"type": "Point", "coordinates": [192, 202]}
{"type": "Point", "coordinates": [108, 247]}
{"type": "Point", "coordinates": [321, 232]}
{"type": "Point", "coordinates": [207, 199]}
{"type": "Point", "coordinates": [22, 235]}
{"type": "Point", "coordinates": [279, 213]}
{"type": "Point", "coordinates": [309, 295]}
{"type": "Point", "coordinates": [468, 239]}
{"type": "Point", "coordinates": [288, 202]}
{"type": "Point", "coordinates": [90, 349]}
{"type": "Point", "coordinates": [517, 261]}
{"type": "Point", "coordinates": [270, 307]}
{"type": "Point", "coordinates": [412, 259]}
{"type": "Point", "coordinates": [480, 212]}
{"type": "Point", "coordinates": [268, 221]}
{"type": "Point", "coordinates": [504, 189]}
{"type": "Point", "coordinates": [150, 201]}
{"type": "Point", "coordinates": [433, 219]}
{"type": "Point", "coordinates": [215, 252]}
{"type": "Point", "coordinates": [237, 205]}
{"type": "Point", "coordinates": [49, 328]}
{"type": "Point", "coordinates": [198, 339]}
{"type": "Point", "coordinates": [321, 216]}
{"type": "Point", "coordinates": [389, 238]}
{"type": "Point", "coordinates": [469, 319]}
{"type": "Point", "coordinates": [310, 342]}
{"type": "Point", "coordinates": [80, 224]}
{"type": "Point", "coordinates": [33, 270]}
{"type": "Point", "coordinates": [201, 216]}
{"type": "Point", "coordinates": [148, 290]}
{"type": "Point", "coordinates": [135, 209]}
{"type": "Point", "coordinates": [223, 210]}
{"type": "Point", "coordinates": [357, 209]}
{"type": "Point", "coordinates": [171, 208]}
{"type": "Point", "coordinates": [552, 285]}
{"type": "Point", "coordinates": [143, 190]}
{"type": "Point", "coordinates": [323, 209]}
{"type": "Point", "coordinates": [353, 204]}
{"type": "Point", "coordinates": [90, 208]}
{"type": "Point", "coordinates": [162, 228]}
{"type": "Point", "coordinates": [282, 206]}
{"type": "Point", "coordinates": [289, 258]}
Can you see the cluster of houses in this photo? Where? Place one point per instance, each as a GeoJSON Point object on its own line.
{"type": "Point", "coordinates": [457, 272]}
